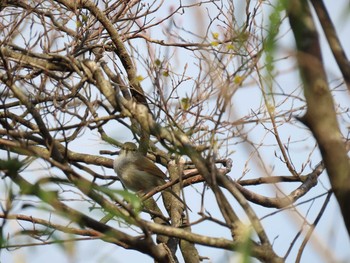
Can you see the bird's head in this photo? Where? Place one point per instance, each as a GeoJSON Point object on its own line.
{"type": "Point", "coordinates": [128, 147]}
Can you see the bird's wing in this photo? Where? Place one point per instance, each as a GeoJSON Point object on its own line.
{"type": "Point", "coordinates": [148, 166]}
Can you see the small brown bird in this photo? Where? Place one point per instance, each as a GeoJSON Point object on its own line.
{"type": "Point", "coordinates": [138, 173]}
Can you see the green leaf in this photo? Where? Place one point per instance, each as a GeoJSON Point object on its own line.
{"type": "Point", "coordinates": [245, 244]}
{"type": "Point", "coordinates": [157, 62]}
{"type": "Point", "coordinates": [185, 103]}
{"type": "Point", "coordinates": [84, 18]}
{"type": "Point", "coordinates": [237, 79]}
{"type": "Point", "coordinates": [139, 78]}
{"type": "Point", "coordinates": [131, 198]}
{"type": "Point", "coordinates": [230, 47]}
{"type": "Point", "coordinates": [11, 166]}
{"type": "Point", "coordinates": [215, 35]}
{"type": "Point", "coordinates": [79, 23]}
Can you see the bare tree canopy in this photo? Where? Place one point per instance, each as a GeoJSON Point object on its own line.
{"type": "Point", "coordinates": [233, 101]}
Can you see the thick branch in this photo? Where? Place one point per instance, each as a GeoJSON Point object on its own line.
{"type": "Point", "coordinates": [333, 40]}
{"type": "Point", "coordinates": [320, 116]}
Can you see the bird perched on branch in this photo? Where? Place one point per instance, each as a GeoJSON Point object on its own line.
{"type": "Point", "coordinates": [138, 173]}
